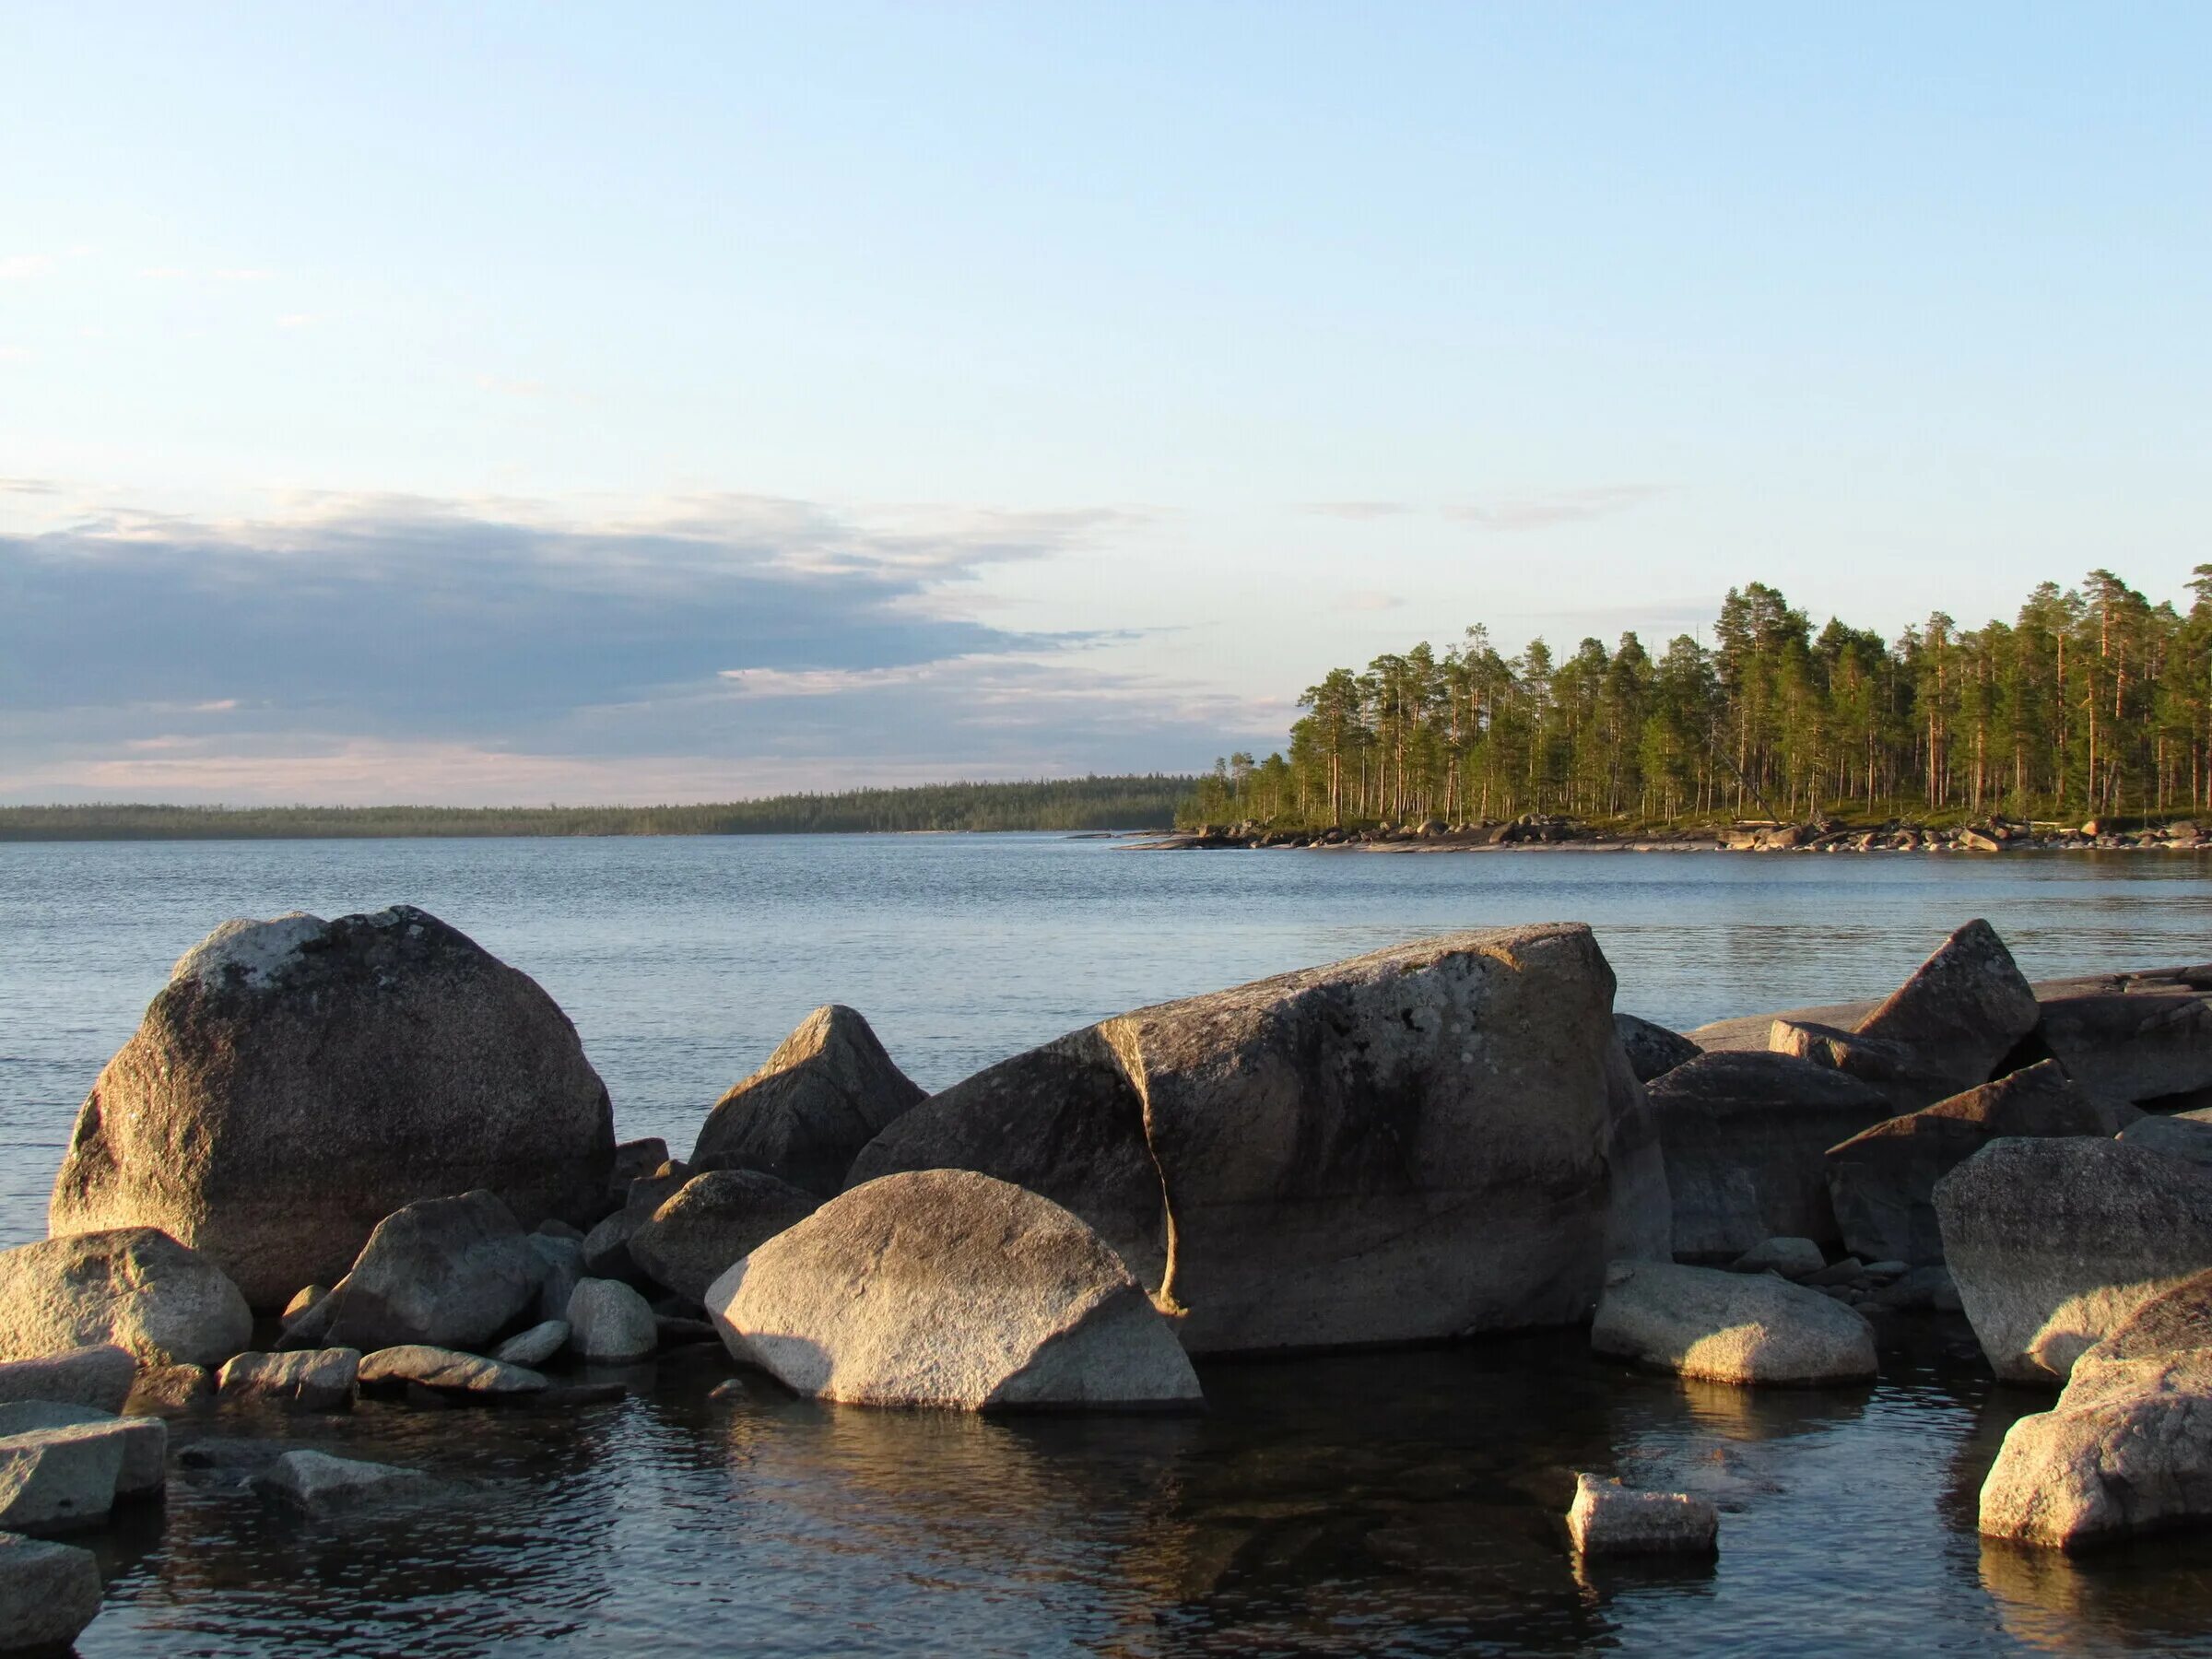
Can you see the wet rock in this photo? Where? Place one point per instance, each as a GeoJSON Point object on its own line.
{"type": "Point", "coordinates": [451, 1272]}
{"type": "Point", "coordinates": [1882, 1181]}
{"type": "Point", "coordinates": [1730, 1327]}
{"type": "Point", "coordinates": [1608, 1519]}
{"type": "Point", "coordinates": [54, 1478]}
{"type": "Point", "coordinates": [92, 1376]}
{"type": "Point", "coordinates": [447, 1371]}
{"type": "Point", "coordinates": [827, 1090]}
{"type": "Point", "coordinates": [1746, 1136]}
{"type": "Point", "coordinates": [145, 1468]}
{"type": "Point", "coordinates": [48, 1593]}
{"type": "Point", "coordinates": [1791, 1258]}
{"type": "Point", "coordinates": [309, 1378]}
{"type": "Point", "coordinates": [944, 1287]}
{"type": "Point", "coordinates": [1653, 1050]}
{"type": "Point", "coordinates": [172, 1389]}
{"type": "Point", "coordinates": [296, 1081]}
{"type": "Point", "coordinates": [534, 1346]}
{"type": "Point", "coordinates": [322, 1484]}
{"type": "Point", "coordinates": [134, 1286]}
{"type": "Point", "coordinates": [710, 1221]}
{"type": "Point", "coordinates": [610, 1321]}
{"type": "Point", "coordinates": [2055, 1242]}
{"type": "Point", "coordinates": [1435, 1139]}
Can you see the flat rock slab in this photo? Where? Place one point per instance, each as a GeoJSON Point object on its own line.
{"type": "Point", "coordinates": [48, 1594]}
{"type": "Point", "coordinates": [53, 1478]}
{"type": "Point", "coordinates": [1730, 1327]}
{"type": "Point", "coordinates": [1608, 1519]}
{"type": "Point", "coordinates": [322, 1484]}
{"type": "Point", "coordinates": [144, 1438]}
{"type": "Point", "coordinates": [94, 1376]}
{"type": "Point", "coordinates": [311, 1379]}
{"type": "Point", "coordinates": [447, 1371]}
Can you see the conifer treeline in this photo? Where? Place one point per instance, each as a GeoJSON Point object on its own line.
{"type": "Point", "coordinates": [2093, 701]}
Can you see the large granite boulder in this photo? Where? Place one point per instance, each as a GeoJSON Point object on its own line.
{"type": "Point", "coordinates": [1729, 1327]}
{"type": "Point", "coordinates": [690, 1240]}
{"type": "Point", "coordinates": [2128, 1447]}
{"type": "Point", "coordinates": [296, 1081]}
{"type": "Point", "coordinates": [1745, 1135]}
{"type": "Point", "coordinates": [450, 1272]}
{"type": "Point", "coordinates": [1438, 1138]}
{"type": "Point", "coordinates": [944, 1287]}
{"type": "Point", "coordinates": [48, 1594]}
{"type": "Point", "coordinates": [827, 1090]}
{"type": "Point", "coordinates": [2055, 1242]}
{"type": "Point", "coordinates": [98, 1376]}
{"type": "Point", "coordinates": [1883, 1179]}
{"type": "Point", "coordinates": [134, 1286]}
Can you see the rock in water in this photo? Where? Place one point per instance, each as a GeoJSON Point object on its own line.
{"type": "Point", "coordinates": [610, 1321]}
{"type": "Point", "coordinates": [690, 1240]}
{"type": "Point", "coordinates": [1729, 1327]}
{"type": "Point", "coordinates": [536, 1345]}
{"type": "Point", "coordinates": [948, 1289]}
{"type": "Point", "coordinates": [2053, 1243]}
{"type": "Point", "coordinates": [827, 1091]}
{"type": "Point", "coordinates": [453, 1272]}
{"type": "Point", "coordinates": [94, 1376]}
{"type": "Point", "coordinates": [1608, 1519]}
{"type": "Point", "coordinates": [48, 1594]}
{"type": "Point", "coordinates": [1746, 1135]}
{"type": "Point", "coordinates": [312, 1379]}
{"type": "Point", "coordinates": [448, 1372]}
{"type": "Point", "coordinates": [296, 1081]}
{"type": "Point", "coordinates": [52, 1478]}
{"type": "Point", "coordinates": [1437, 1138]}
{"type": "Point", "coordinates": [2128, 1447]}
{"type": "Point", "coordinates": [1653, 1050]}
{"type": "Point", "coordinates": [134, 1286]}
{"type": "Point", "coordinates": [145, 1467]}
{"type": "Point", "coordinates": [323, 1485]}
{"type": "Point", "coordinates": [1882, 1181]}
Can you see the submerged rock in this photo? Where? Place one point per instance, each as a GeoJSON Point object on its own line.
{"type": "Point", "coordinates": [1438, 1138]}
{"type": "Point", "coordinates": [710, 1221]}
{"type": "Point", "coordinates": [1608, 1519]}
{"type": "Point", "coordinates": [48, 1593]}
{"type": "Point", "coordinates": [322, 1484]}
{"type": "Point", "coordinates": [452, 1272]}
{"type": "Point", "coordinates": [948, 1289]}
{"type": "Point", "coordinates": [1730, 1327]}
{"type": "Point", "coordinates": [134, 1286]}
{"type": "Point", "coordinates": [827, 1090]}
{"type": "Point", "coordinates": [297, 1080]}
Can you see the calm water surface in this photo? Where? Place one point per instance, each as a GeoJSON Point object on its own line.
{"type": "Point", "coordinates": [1404, 1503]}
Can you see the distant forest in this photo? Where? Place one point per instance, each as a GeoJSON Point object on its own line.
{"type": "Point", "coordinates": [1147, 801]}
{"type": "Point", "coordinates": [2093, 701]}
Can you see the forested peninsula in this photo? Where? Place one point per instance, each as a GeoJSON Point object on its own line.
{"type": "Point", "coordinates": [2094, 703]}
{"type": "Point", "coordinates": [1137, 802]}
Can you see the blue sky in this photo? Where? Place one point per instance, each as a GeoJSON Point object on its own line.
{"type": "Point", "coordinates": [540, 402]}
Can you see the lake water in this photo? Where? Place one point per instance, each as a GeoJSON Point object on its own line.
{"type": "Point", "coordinates": [1362, 1504]}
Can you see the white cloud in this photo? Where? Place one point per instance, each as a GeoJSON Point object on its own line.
{"type": "Point", "coordinates": [1542, 509]}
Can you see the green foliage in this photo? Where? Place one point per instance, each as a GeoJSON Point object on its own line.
{"type": "Point", "coordinates": [2092, 702]}
{"type": "Point", "coordinates": [1116, 803]}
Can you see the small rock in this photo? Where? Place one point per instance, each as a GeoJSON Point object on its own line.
{"type": "Point", "coordinates": [144, 1438]}
{"type": "Point", "coordinates": [610, 1321]}
{"type": "Point", "coordinates": [1729, 1327]}
{"type": "Point", "coordinates": [451, 1372]}
{"type": "Point", "coordinates": [1887, 1270]}
{"type": "Point", "coordinates": [1793, 1258]}
{"type": "Point", "coordinates": [306, 1297]}
{"type": "Point", "coordinates": [57, 1478]}
{"type": "Point", "coordinates": [534, 1346]}
{"type": "Point", "coordinates": [1608, 1519]}
{"type": "Point", "coordinates": [555, 1228]}
{"type": "Point", "coordinates": [443, 1271]}
{"type": "Point", "coordinates": [171, 1389]}
{"type": "Point", "coordinates": [311, 1379]}
{"type": "Point", "coordinates": [323, 1485]}
{"type": "Point", "coordinates": [90, 1376]}
{"type": "Point", "coordinates": [48, 1594]}
{"type": "Point", "coordinates": [1653, 1050]}
{"type": "Point", "coordinates": [729, 1388]}
{"type": "Point", "coordinates": [1839, 1272]}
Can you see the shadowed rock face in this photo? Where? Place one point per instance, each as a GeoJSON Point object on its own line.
{"type": "Point", "coordinates": [690, 1240]}
{"type": "Point", "coordinates": [827, 1090]}
{"type": "Point", "coordinates": [1437, 1138]}
{"type": "Point", "coordinates": [1964, 1008]}
{"type": "Point", "coordinates": [450, 1272]}
{"type": "Point", "coordinates": [296, 1081]}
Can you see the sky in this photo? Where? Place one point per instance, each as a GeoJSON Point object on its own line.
{"type": "Point", "coordinates": [533, 404]}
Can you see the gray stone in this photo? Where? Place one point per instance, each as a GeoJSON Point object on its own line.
{"type": "Point", "coordinates": [1653, 1050]}
{"type": "Point", "coordinates": [1882, 1181]}
{"type": "Point", "coordinates": [1438, 1138]}
{"type": "Point", "coordinates": [310, 1379]}
{"type": "Point", "coordinates": [559, 1230]}
{"type": "Point", "coordinates": [1793, 1258]}
{"type": "Point", "coordinates": [2174, 1136]}
{"type": "Point", "coordinates": [296, 1081]}
{"type": "Point", "coordinates": [564, 1267]}
{"type": "Point", "coordinates": [52, 1478]}
{"type": "Point", "coordinates": [1730, 1327]}
{"type": "Point", "coordinates": [322, 1484]}
{"type": "Point", "coordinates": [1906, 1077]}
{"type": "Point", "coordinates": [948, 1289]}
{"type": "Point", "coordinates": [1608, 1519]}
{"type": "Point", "coordinates": [2055, 1242]}
{"type": "Point", "coordinates": [610, 1321]}
{"type": "Point", "coordinates": [710, 1221]}
{"type": "Point", "coordinates": [92, 1376]}
{"type": "Point", "coordinates": [827, 1090]}
{"type": "Point", "coordinates": [451, 1272]}
{"type": "Point", "coordinates": [448, 1372]}
{"type": "Point", "coordinates": [144, 1438]}
{"type": "Point", "coordinates": [534, 1346]}
{"type": "Point", "coordinates": [172, 1389]}
{"type": "Point", "coordinates": [1746, 1135]}
{"type": "Point", "coordinates": [1966, 1007]}
{"type": "Point", "coordinates": [134, 1286]}
{"type": "Point", "coordinates": [48, 1593]}
{"type": "Point", "coordinates": [636, 1159]}
{"type": "Point", "coordinates": [303, 1300]}
{"type": "Point", "coordinates": [2138, 1045]}
{"type": "Point", "coordinates": [605, 1249]}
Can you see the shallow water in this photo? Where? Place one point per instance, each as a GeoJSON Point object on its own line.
{"type": "Point", "coordinates": [1401, 1503]}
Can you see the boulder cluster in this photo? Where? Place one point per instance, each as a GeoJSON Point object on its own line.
{"type": "Point", "coordinates": [1818, 835]}
{"type": "Point", "coordinates": [364, 1158]}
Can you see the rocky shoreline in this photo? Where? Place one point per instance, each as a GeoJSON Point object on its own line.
{"type": "Point", "coordinates": [1553, 833]}
{"type": "Point", "coordinates": [364, 1158]}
